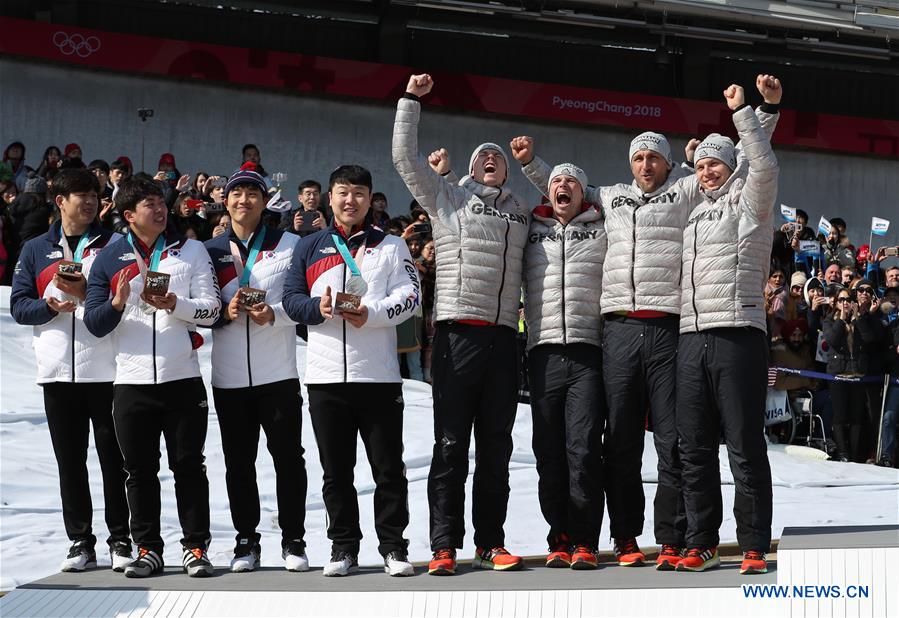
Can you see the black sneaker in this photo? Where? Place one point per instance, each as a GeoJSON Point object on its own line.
{"type": "Point", "coordinates": [196, 562]}
{"type": "Point", "coordinates": [342, 563]}
{"type": "Point", "coordinates": [81, 556]}
{"type": "Point", "coordinates": [246, 556]}
{"type": "Point", "coordinates": [120, 554]}
{"type": "Point", "coordinates": [148, 563]}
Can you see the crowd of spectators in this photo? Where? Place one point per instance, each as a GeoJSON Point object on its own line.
{"type": "Point", "coordinates": [830, 310]}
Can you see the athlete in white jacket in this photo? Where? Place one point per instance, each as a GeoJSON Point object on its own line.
{"type": "Point", "coordinates": [158, 388]}
{"type": "Point", "coordinates": [254, 373]}
{"type": "Point", "coordinates": [352, 373]}
{"type": "Point", "coordinates": [74, 367]}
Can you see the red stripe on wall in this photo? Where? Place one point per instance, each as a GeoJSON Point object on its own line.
{"type": "Point", "coordinates": [382, 82]}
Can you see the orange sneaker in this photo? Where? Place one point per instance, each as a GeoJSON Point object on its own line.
{"type": "Point", "coordinates": [668, 557]}
{"type": "Point", "coordinates": [753, 562]}
{"type": "Point", "coordinates": [559, 556]}
{"type": "Point", "coordinates": [699, 559]}
{"type": "Point", "coordinates": [628, 553]}
{"type": "Point", "coordinates": [443, 562]}
{"type": "Point", "coordinates": [583, 558]}
{"type": "Point", "coordinates": [496, 559]}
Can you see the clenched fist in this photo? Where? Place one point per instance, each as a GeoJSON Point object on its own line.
{"type": "Point", "coordinates": [439, 161]}
{"type": "Point", "coordinates": [522, 149]}
{"type": "Point", "coordinates": [734, 96]}
{"type": "Point", "coordinates": [769, 87]}
{"type": "Point", "coordinates": [420, 85]}
{"type": "Point", "coordinates": [690, 149]}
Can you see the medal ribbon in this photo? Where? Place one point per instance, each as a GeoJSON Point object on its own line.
{"type": "Point", "coordinates": [243, 273]}
{"type": "Point", "coordinates": [348, 257]}
{"type": "Point", "coordinates": [155, 257]}
{"type": "Point", "coordinates": [79, 251]}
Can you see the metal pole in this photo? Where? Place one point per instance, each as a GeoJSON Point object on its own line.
{"type": "Point", "coordinates": [883, 405]}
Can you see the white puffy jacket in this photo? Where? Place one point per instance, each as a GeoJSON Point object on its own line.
{"type": "Point", "coordinates": [479, 233]}
{"type": "Point", "coordinates": [563, 278]}
{"type": "Point", "coordinates": [727, 241]}
{"type": "Point", "coordinates": [64, 349]}
{"type": "Point", "coordinates": [337, 351]}
{"type": "Point", "coordinates": [243, 352]}
{"type": "Point", "coordinates": [159, 347]}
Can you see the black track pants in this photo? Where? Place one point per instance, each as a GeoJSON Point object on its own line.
{"type": "Point", "coordinates": [341, 413]}
{"type": "Point", "coordinates": [721, 377]}
{"type": "Point", "coordinates": [569, 409]}
{"type": "Point", "coordinates": [639, 373]}
{"type": "Point", "coordinates": [72, 408]}
{"type": "Point", "coordinates": [475, 385]}
{"type": "Point", "coordinates": [276, 409]}
{"type": "Point", "coordinates": [178, 411]}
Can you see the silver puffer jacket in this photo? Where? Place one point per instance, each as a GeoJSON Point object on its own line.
{"type": "Point", "coordinates": [727, 241]}
{"type": "Point", "coordinates": [563, 278]}
{"type": "Point", "coordinates": [479, 233]}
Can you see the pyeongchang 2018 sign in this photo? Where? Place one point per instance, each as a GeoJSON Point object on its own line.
{"type": "Point", "coordinates": [385, 83]}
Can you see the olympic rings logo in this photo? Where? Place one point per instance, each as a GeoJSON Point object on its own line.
{"type": "Point", "coordinates": [76, 44]}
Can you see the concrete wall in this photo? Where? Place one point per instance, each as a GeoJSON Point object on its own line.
{"type": "Point", "coordinates": [307, 137]}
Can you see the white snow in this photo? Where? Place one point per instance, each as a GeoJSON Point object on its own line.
{"type": "Point", "coordinates": [33, 541]}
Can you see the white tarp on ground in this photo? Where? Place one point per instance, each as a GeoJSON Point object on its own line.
{"type": "Point", "coordinates": [33, 541]}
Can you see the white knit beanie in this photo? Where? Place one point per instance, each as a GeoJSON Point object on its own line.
{"type": "Point", "coordinates": [719, 147]}
{"type": "Point", "coordinates": [568, 169]}
{"type": "Point", "coordinates": [650, 141]}
{"type": "Point", "coordinates": [487, 146]}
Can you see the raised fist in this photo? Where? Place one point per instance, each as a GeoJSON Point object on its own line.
{"type": "Point", "coordinates": [734, 96]}
{"type": "Point", "coordinates": [523, 149]}
{"type": "Point", "coordinates": [420, 85]}
{"type": "Point", "coordinates": [690, 148]}
{"type": "Point", "coordinates": [769, 87]}
{"type": "Point", "coordinates": [439, 161]}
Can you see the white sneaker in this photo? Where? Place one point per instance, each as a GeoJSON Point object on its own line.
{"type": "Point", "coordinates": [81, 556]}
{"type": "Point", "coordinates": [342, 563]}
{"type": "Point", "coordinates": [295, 559]}
{"type": "Point", "coordinates": [396, 564]}
{"type": "Point", "coordinates": [120, 554]}
{"type": "Point", "coordinates": [246, 556]}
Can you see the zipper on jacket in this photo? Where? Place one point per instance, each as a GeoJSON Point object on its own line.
{"type": "Point", "coordinates": [693, 283]}
{"type": "Point", "coordinates": [249, 369]}
{"type": "Point", "coordinates": [634, 259]}
{"type": "Point", "coordinates": [154, 347]}
{"type": "Point", "coordinates": [73, 346]}
{"type": "Point", "coordinates": [502, 281]}
{"type": "Point", "coordinates": [564, 330]}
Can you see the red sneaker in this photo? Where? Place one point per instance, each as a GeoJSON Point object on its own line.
{"type": "Point", "coordinates": [496, 559]}
{"type": "Point", "coordinates": [699, 559]}
{"type": "Point", "coordinates": [559, 556]}
{"type": "Point", "coordinates": [753, 562]}
{"type": "Point", "coordinates": [668, 557]}
{"type": "Point", "coordinates": [443, 562]}
{"type": "Point", "coordinates": [583, 558]}
{"type": "Point", "coordinates": [628, 553]}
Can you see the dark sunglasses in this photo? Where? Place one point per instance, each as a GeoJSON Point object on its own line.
{"type": "Point", "coordinates": [864, 290]}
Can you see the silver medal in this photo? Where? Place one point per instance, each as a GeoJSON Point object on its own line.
{"type": "Point", "coordinates": [356, 285]}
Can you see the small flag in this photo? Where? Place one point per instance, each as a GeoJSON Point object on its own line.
{"type": "Point", "coordinates": [824, 226]}
{"type": "Point", "coordinates": [809, 247]}
{"type": "Point", "coordinates": [788, 213]}
{"type": "Point", "coordinates": [772, 376]}
{"type": "Point", "coordinates": [879, 226]}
